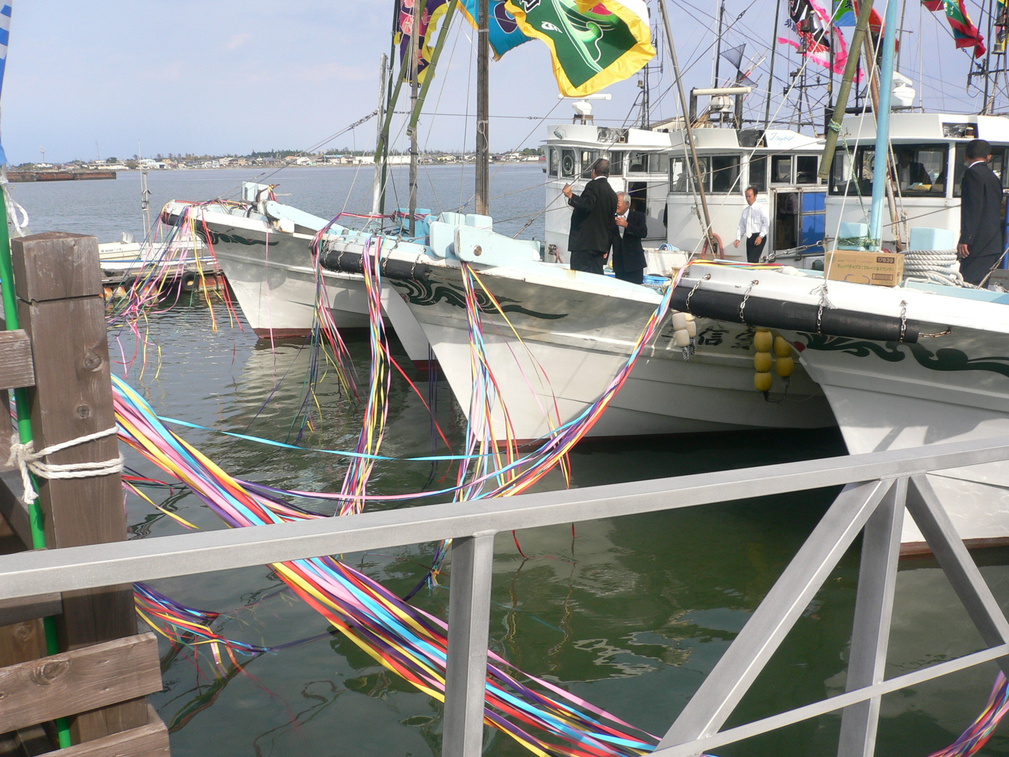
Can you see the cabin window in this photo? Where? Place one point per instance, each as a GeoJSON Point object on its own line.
{"type": "Point", "coordinates": [637, 162]}
{"type": "Point", "coordinates": [553, 161]}
{"type": "Point", "coordinates": [658, 162]}
{"type": "Point", "coordinates": [997, 163]}
{"type": "Point", "coordinates": [679, 174]}
{"type": "Point", "coordinates": [681, 169]}
{"type": "Point", "coordinates": [781, 169]}
{"type": "Point", "coordinates": [724, 173]}
{"type": "Point", "coordinates": [589, 158]}
{"type": "Point", "coordinates": [758, 173]}
{"type": "Point", "coordinates": [805, 169]}
{"type": "Point", "coordinates": [616, 163]}
{"type": "Point", "coordinates": [569, 163]}
{"type": "Point", "coordinates": [920, 170]}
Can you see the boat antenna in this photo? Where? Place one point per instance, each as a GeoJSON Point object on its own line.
{"type": "Point", "coordinates": [482, 111]}
{"type": "Point", "coordinates": [718, 42]}
{"type": "Point", "coordinates": [770, 75]}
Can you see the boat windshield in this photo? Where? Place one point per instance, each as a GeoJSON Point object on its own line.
{"type": "Point", "coordinates": [921, 170]}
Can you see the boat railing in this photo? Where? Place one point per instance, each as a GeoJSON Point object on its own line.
{"type": "Point", "coordinates": [878, 489]}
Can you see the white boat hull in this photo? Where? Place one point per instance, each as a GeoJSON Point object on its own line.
{"type": "Point", "coordinates": [951, 385]}
{"type": "Point", "coordinates": [577, 331]}
{"type": "Point", "coordinates": [272, 275]}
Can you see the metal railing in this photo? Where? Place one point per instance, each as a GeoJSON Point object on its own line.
{"type": "Point", "coordinates": [878, 488]}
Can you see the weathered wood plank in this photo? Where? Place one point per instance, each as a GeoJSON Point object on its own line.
{"type": "Point", "coordinates": [60, 305]}
{"type": "Point", "coordinates": [20, 610]}
{"type": "Point", "coordinates": [150, 740]}
{"type": "Point", "coordinates": [84, 679]}
{"type": "Point", "coordinates": [56, 265]}
{"type": "Point", "coordinates": [16, 368]}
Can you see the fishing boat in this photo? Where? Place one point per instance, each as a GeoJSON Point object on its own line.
{"type": "Point", "coordinates": [554, 339]}
{"type": "Point", "coordinates": [265, 249]}
{"type": "Point", "coordinates": [920, 362]}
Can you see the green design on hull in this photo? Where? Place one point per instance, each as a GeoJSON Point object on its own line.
{"type": "Point", "coordinates": [426, 293]}
{"type": "Point", "coordinates": [945, 359]}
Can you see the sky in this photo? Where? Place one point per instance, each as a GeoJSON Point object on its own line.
{"type": "Point", "coordinates": [117, 78]}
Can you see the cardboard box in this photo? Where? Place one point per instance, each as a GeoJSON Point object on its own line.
{"type": "Point", "coordinates": [861, 267]}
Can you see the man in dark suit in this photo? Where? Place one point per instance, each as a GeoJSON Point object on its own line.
{"type": "Point", "coordinates": [628, 254]}
{"type": "Point", "coordinates": [592, 220]}
{"type": "Point", "coordinates": [981, 222]}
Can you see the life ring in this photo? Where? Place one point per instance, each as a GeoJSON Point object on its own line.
{"type": "Point", "coordinates": [719, 251]}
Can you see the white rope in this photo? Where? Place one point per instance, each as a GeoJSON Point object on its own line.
{"type": "Point", "coordinates": [26, 459]}
{"type": "Point", "coordinates": [936, 266]}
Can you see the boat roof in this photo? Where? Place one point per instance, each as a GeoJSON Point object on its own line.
{"type": "Point", "coordinates": [590, 135]}
{"type": "Point", "coordinates": [929, 127]}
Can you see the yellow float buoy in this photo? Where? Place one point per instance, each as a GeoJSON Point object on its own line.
{"type": "Point", "coordinates": [679, 321]}
{"type": "Point", "coordinates": [763, 340]}
{"type": "Point", "coordinates": [762, 362]}
{"type": "Point", "coordinates": [784, 366]}
{"type": "Point", "coordinates": [781, 347]}
{"type": "Point", "coordinates": [763, 380]}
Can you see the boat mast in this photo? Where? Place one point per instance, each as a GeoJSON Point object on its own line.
{"type": "Point", "coordinates": [688, 130]}
{"type": "Point", "coordinates": [482, 111]}
{"type": "Point", "coordinates": [380, 140]}
{"type": "Point", "coordinates": [414, 92]}
{"type": "Point", "coordinates": [145, 195]}
{"type": "Point", "coordinates": [718, 43]}
{"type": "Point", "coordinates": [879, 170]}
{"type": "Point", "coordinates": [850, 69]}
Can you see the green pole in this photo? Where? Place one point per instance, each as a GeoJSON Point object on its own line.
{"type": "Point", "coordinates": [24, 424]}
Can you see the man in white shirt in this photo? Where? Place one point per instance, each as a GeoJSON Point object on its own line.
{"type": "Point", "coordinates": [753, 225]}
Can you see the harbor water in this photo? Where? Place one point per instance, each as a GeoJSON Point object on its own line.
{"type": "Point", "coordinates": [627, 613]}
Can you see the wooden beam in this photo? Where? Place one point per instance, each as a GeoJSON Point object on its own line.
{"type": "Point", "coordinates": [19, 610]}
{"type": "Point", "coordinates": [59, 289]}
{"type": "Point", "coordinates": [84, 679]}
{"type": "Point", "coordinates": [149, 740]}
{"type": "Point", "coordinates": [16, 368]}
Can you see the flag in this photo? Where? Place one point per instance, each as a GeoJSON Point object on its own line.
{"type": "Point", "coordinates": [845, 13]}
{"type": "Point", "coordinates": [593, 43]}
{"type": "Point", "coordinates": [432, 15]}
{"type": "Point", "coordinates": [503, 31]}
{"type": "Point", "coordinates": [814, 35]}
{"type": "Point", "coordinates": [5, 30]}
{"type": "Point", "coordinates": [965, 34]}
{"type": "Point", "coordinates": [735, 56]}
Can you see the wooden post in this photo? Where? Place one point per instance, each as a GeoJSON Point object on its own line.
{"type": "Point", "coordinates": [58, 285]}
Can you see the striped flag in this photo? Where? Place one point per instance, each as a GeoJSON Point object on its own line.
{"type": "Point", "coordinates": [593, 43]}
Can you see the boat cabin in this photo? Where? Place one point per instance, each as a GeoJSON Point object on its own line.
{"type": "Point", "coordinates": [639, 164]}
{"type": "Point", "coordinates": [928, 154]}
{"type": "Point", "coordinates": [780, 164]}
